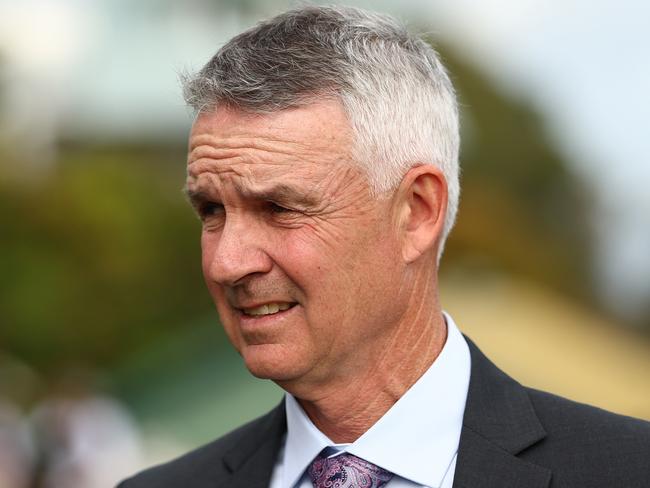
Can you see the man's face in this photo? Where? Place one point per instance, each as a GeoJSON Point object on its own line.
{"type": "Point", "coordinates": [302, 262]}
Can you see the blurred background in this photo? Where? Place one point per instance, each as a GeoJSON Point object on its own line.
{"type": "Point", "coordinates": [111, 355]}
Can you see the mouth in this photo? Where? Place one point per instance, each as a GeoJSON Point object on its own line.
{"type": "Point", "coordinates": [271, 308]}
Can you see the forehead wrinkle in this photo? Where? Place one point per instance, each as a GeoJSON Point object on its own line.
{"type": "Point", "coordinates": [204, 184]}
{"type": "Point", "coordinates": [210, 152]}
{"type": "Point", "coordinates": [208, 185]}
{"type": "Point", "coordinates": [261, 142]}
{"type": "Point", "coordinates": [220, 147]}
{"type": "Point", "coordinates": [213, 166]}
{"type": "Point", "coordinates": [245, 163]}
{"type": "Point", "coordinates": [209, 158]}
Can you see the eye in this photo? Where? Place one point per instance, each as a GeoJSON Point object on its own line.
{"type": "Point", "coordinates": [275, 208]}
{"type": "Point", "coordinates": [209, 209]}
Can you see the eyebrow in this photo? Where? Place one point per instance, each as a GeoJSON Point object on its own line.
{"type": "Point", "coordinates": [195, 197]}
{"type": "Point", "coordinates": [280, 192]}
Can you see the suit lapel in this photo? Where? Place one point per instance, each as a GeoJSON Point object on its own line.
{"type": "Point", "coordinates": [498, 424]}
{"type": "Point", "coordinates": [482, 464]}
{"type": "Point", "coordinates": [251, 462]}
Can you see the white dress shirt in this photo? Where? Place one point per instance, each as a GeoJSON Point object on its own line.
{"type": "Point", "coordinates": [417, 439]}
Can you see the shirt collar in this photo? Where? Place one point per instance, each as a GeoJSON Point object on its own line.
{"type": "Point", "coordinates": [417, 438]}
{"type": "Point", "coordinates": [303, 443]}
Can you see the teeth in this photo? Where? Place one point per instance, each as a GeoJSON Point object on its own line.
{"type": "Point", "coordinates": [267, 309]}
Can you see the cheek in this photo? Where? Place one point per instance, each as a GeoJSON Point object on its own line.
{"type": "Point", "coordinates": [316, 269]}
{"type": "Point", "coordinates": [216, 291]}
{"type": "Point", "coordinates": [208, 243]}
{"type": "Point", "coordinates": [228, 321]}
{"type": "Point", "coordinates": [311, 261]}
{"type": "Point", "coordinates": [331, 270]}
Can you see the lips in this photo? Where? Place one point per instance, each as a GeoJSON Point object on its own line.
{"type": "Point", "coordinates": [266, 309]}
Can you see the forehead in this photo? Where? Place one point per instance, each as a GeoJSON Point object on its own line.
{"type": "Point", "coordinates": [231, 146]}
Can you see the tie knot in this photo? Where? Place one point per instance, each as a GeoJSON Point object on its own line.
{"type": "Point", "coordinates": [346, 471]}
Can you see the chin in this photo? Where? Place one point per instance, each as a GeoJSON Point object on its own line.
{"type": "Point", "coordinates": [271, 362]}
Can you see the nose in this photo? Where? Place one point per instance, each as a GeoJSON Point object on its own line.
{"type": "Point", "coordinates": [235, 252]}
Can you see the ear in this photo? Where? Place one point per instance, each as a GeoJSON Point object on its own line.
{"type": "Point", "coordinates": [422, 205]}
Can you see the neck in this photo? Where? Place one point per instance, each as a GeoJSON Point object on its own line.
{"type": "Point", "coordinates": [345, 410]}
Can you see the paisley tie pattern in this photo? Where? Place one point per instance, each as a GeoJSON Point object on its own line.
{"type": "Point", "coordinates": [346, 471]}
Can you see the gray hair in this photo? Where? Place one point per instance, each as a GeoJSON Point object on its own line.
{"type": "Point", "coordinates": [393, 87]}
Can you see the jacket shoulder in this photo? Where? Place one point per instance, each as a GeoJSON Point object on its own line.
{"type": "Point", "coordinates": [205, 465]}
{"type": "Point", "coordinates": [559, 412]}
{"type": "Point", "coordinates": [588, 446]}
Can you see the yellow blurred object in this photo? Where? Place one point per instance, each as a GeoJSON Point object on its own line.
{"type": "Point", "coordinates": [545, 341]}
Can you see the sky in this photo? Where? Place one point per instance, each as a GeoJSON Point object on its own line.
{"type": "Point", "coordinates": [109, 68]}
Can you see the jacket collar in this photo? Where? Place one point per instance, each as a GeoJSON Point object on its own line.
{"type": "Point", "coordinates": [252, 459]}
{"type": "Point", "coordinates": [498, 424]}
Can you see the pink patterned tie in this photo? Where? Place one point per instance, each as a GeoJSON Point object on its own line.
{"type": "Point", "coordinates": [346, 471]}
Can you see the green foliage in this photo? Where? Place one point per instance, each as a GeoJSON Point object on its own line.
{"type": "Point", "coordinates": [522, 210]}
{"type": "Point", "coordinates": [98, 257]}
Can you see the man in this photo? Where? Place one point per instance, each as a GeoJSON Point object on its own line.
{"type": "Point", "coordinates": [323, 164]}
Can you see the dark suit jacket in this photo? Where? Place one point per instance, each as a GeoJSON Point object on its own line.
{"type": "Point", "coordinates": [512, 437]}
